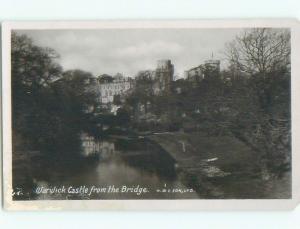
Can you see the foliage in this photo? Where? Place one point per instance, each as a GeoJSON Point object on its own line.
{"type": "Point", "coordinates": [49, 105]}
{"type": "Point", "coordinates": [262, 108]}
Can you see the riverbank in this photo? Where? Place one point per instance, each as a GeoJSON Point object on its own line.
{"type": "Point", "coordinates": [221, 167]}
{"type": "Point", "coordinates": [224, 151]}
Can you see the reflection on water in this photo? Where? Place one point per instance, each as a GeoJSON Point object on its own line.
{"type": "Point", "coordinates": [122, 163]}
{"type": "Point", "coordinates": [90, 146]}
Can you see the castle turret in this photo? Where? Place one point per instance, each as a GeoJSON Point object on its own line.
{"type": "Point", "coordinates": [164, 74]}
{"type": "Point", "coordinates": [212, 65]}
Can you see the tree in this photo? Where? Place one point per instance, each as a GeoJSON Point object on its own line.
{"type": "Point", "coordinates": [262, 108]}
{"type": "Point", "coordinates": [32, 65]}
{"type": "Point", "coordinates": [123, 117]}
{"type": "Point", "coordinates": [50, 107]}
{"type": "Point", "coordinates": [75, 100]}
{"type": "Point", "coordinates": [260, 51]}
{"type": "Point", "coordinates": [33, 70]}
{"type": "Point", "coordinates": [81, 88]}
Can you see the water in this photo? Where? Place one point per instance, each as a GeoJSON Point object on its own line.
{"type": "Point", "coordinates": [126, 168]}
{"type": "Point", "coordinates": [123, 169]}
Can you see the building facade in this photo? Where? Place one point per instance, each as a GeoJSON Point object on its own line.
{"type": "Point", "coordinates": [108, 89]}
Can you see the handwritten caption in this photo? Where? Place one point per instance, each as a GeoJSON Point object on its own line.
{"type": "Point", "coordinates": [86, 190]}
{"type": "Point", "coordinates": [92, 190]}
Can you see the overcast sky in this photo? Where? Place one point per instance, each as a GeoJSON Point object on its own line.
{"type": "Point", "coordinates": [130, 50]}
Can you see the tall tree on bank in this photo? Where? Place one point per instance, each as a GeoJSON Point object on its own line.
{"type": "Point", "coordinates": [50, 107]}
{"type": "Point", "coordinates": [33, 70]}
{"type": "Point", "coordinates": [263, 108]}
{"type": "Point", "coordinates": [76, 100]}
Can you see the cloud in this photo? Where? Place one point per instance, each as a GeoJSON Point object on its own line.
{"type": "Point", "coordinates": [131, 50]}
{"type": "Point", "coordinates": [154, 48]}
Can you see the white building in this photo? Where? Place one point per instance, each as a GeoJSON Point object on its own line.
{"type": "Point", "coordinates": [119, 85]}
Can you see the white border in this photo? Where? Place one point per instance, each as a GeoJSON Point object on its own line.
{"type": "Point", "coordinates": [246, 204]}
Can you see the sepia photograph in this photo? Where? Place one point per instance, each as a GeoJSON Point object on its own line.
{"type": "Point", "coordinates": [150, 113]}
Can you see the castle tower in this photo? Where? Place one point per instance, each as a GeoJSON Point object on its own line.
{"type": "Point", "coordinates": [164, 75]}
{"type": "Point", "coordinates": [212, 68]}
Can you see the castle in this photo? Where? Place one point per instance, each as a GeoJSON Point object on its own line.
{"type": "Point", "coordinates": [108, 87]}
{"type": "Point", "coordinates": [210, 69]}
{"type": "Point", "coordinates": [158, 81]}
{"type": "Point", "coordinates": [151, 82]}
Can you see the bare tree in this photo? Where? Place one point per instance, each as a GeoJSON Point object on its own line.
{"type": "Point", "coordinates": [262, 108]}
{"type": "Point", "coordinates": [260, 51]}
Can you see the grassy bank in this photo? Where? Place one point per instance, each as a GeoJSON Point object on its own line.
{"type": "Point", "coordinates": [222, 167]}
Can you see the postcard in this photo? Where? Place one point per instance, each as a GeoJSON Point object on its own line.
{"type": "Point", "coordinates": [151, 115]}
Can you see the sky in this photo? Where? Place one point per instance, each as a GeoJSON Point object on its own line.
{"type": "Point", "coordinates": [127, 51]}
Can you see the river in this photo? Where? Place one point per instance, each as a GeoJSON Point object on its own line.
{"type": "Point", "coordinates": [121, 169]}
{"type": "Point", "coordinates": [138, 168]}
